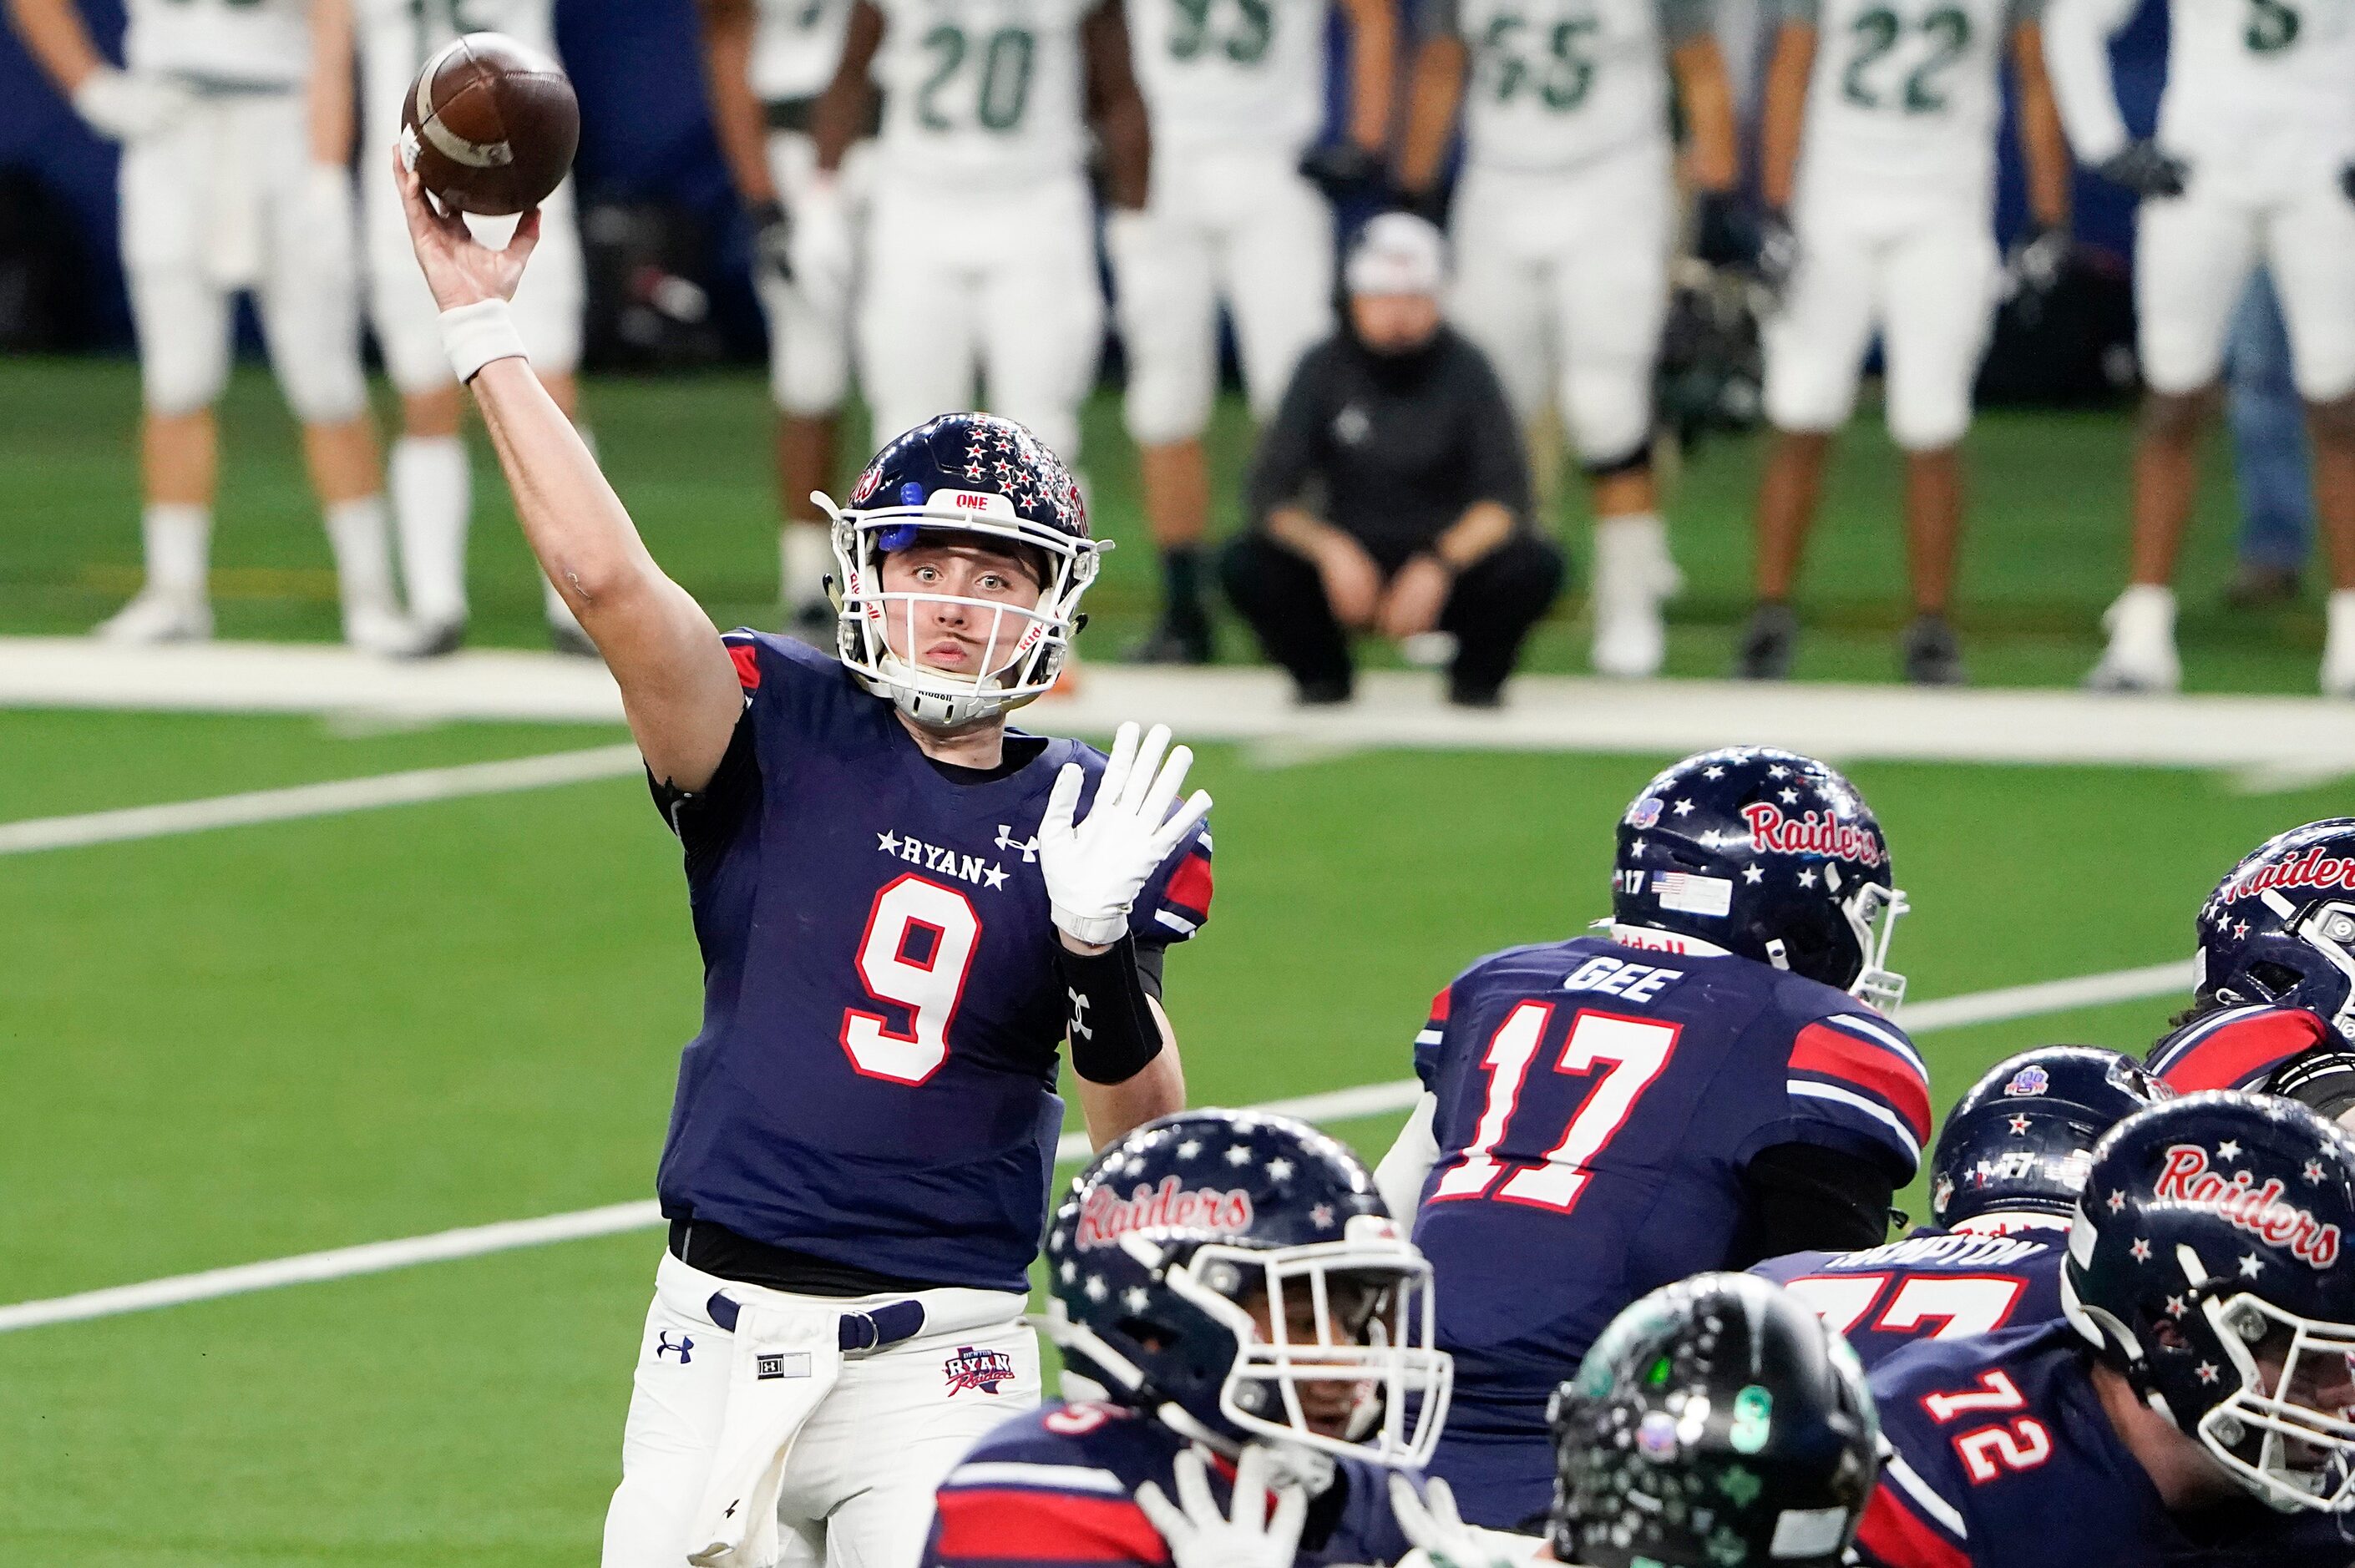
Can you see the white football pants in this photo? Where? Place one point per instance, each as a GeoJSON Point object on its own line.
{"type": "Point", "coordinates": [547, 305]}
{"type": "Point", "coordinates": [994, 281]}
{"type": "Point", "coordinates": [1923, 271]}
{"type": "Point", "coordinates": [1242, 226]}
{"type": "Point", "coordinates": [858, 1485]}
{"type": "Point", "coordinates": [1566, 276]}
{"type": "Point", "coordinates": [809, 340]}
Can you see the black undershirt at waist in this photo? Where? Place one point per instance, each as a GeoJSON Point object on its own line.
{"type": "Point", "coordinates": [716, 1249]}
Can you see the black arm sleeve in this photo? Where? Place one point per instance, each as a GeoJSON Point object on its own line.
{"type": "Point", "coordinates": [1114, 1034]}
{"type": "Point", "coordinates": [1289, 451]}
{"type": "Point", "coordinates": [706, 819]}
{"type": "Point", "coordinates": [1806, 1198]}
{"type": "Point", "coordinates": [1497, 463]}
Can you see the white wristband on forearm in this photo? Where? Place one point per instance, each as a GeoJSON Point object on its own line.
{"type": "Point", "coordinates": [476, 334]}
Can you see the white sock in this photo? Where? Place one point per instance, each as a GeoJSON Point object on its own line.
{"type": "Point", "coordinates": [2339, 642]}
{"type": "Point", "coordinates": [2143, 613]}
{"type": "Point", "coordinates": [355, 532]}
{"type": "Point", "coordinates": [804, 555]}
{"type": "Point", "coordinates": [178, 537]}
{"type": "Point", "coordinates": [1631, 557]}
{"type": "Point", "coordinates": [433, 494]}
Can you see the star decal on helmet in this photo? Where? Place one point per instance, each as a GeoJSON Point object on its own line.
{"type": "Point", "coordinates": [2140, 1251]}
{"type": "Point", "coordinates": [2117, 1199]}
{"type": "Point", "coordinates": [2314, 1173]}
{"type": "Point", "coordinates": [2251, 1266]}
{"type": "Point", "coordinates": [2229, 1151]}
{"type": "Point", "coordinates": [1238, 1155]}
{"type": "Point", "coordinates": [1753, 874]}
{"type": "Point", "coordinates": [1190, 1148]}
{"type": "Point", "coordinates": [2018, 1125]}
{"type": "Point", "coordinates": [2208, 1372]}
{"type": "Point", "coordinates": [1321, 1216]}
{"type": "Point", "coordinates": [2177, 1307]}
{"type": "Point", "coordinates": [1279, 1170]}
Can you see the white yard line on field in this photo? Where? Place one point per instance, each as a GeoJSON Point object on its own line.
{"type": "Point", "coordinates": [1334, 1105]}
{"type": "Point", "coordinates": [342, 795]}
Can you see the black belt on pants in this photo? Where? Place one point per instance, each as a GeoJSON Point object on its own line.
{"type": "Point", "coordinates": [716, 1250]}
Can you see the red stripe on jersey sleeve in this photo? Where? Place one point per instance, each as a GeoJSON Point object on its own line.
{"type": "Point", "coordinates": [747, 660]}
{"type": "Point", "coordinates": [2245, 1050]}
{"type": "Point", "coordinates": [1439, 1004]}
{"type": "Point", "coordinates": [1871, 1068]}
{"type": "Point", "coordinates": [1189, 884]}
{"type": "Point", "coordinates": [986, 1524]}
{"type": "Point", "coordinates": [1892, 1536]}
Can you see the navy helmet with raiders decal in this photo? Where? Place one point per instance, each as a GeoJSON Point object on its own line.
{"type": "Point", "coordinates": [1716, 1421]}
{"type": "Point", "coordinates": [1765, 854]}
{"type": "Point", "coordinates": [2022, 1138]}
{"type": "Point", "coordinates": [978, 477]}
{"type": "Point", "coordinates": [1236, 1277]}
{"type": "Point", "coordinates": [2280, 927]}
{"type": "Point", "coordinates": [2209, 1263]}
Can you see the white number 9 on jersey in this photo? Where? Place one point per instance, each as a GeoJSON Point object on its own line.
{"type": "Point", "coordinates": [915, 954]}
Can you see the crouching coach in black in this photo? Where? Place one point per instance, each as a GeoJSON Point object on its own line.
{"type": "Point", "coordinates": [1392, 494]}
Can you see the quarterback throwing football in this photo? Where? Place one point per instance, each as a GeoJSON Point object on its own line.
{"type": "Point", "coordinates": [903, 907]}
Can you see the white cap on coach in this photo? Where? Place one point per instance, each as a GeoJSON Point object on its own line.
{"type": "Point", "coordinates": [1397, 253]}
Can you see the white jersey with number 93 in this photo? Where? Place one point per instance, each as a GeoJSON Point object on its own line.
{"type": "Point", "coordinates": [1906, 92]}
{"type": "Point", "coordinates": [981, 92]}
{"type": "Point", "coordinates": [2240, 73]}
{"type": "Point", "coordinates": [258, 43]}
{"type": "Point", "coordinates": [1556, 84]}
{"type": "Point", "coordinates": [1219, 72]}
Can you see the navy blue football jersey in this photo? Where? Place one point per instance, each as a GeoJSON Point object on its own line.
{"type": "Point", "coordinates": [2238, 1047]}
{"type": "Point", "coordinates": [874, 1084]}
{"type": "Point", "coordinates": [1597, 1106]}
{"type": "Point", "coordinates": [1058, 1485]}
{"type": "Point", "coordinates": [1999, 1453]}
{"type": "Point", "coordinates": [1933, 1284]}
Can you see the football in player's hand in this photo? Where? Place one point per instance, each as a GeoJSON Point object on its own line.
{"type": "Point", "coordinates": [489, 125]}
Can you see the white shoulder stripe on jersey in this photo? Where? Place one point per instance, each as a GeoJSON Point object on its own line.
{"type": "Point", "coordinates": [1895, 1468]}
{"type": "Point", "coordinates": [1176, 922]}
{"type": "Point", "coordinates": [1013, 1473]}
{"type": "Point", "coordinates": [1873, 1108]}
{"type": "Point", "coordinates": [1428, 1037]}
{"type": "Point", "coordinates": [1882, 1035]}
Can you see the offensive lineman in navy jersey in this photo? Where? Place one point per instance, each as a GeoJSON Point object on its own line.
{"type": "Point", "coordinates": [903, 909]}
{"type": "Point", "coordinates": [2193, 1407]}
{"type": "Point", "coordinates": [1709, 1085]}
{"type": "Point", "coordinates": [2004, 1181]}
{"type": "Point", "coordinates": [2274, 998]}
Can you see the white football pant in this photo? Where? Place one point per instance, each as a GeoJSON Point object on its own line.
{"type": "Point", "coordinates": [2193, 255]}
{"type": "Point", "coordinates": [1921, 269]}
{"type": "Point", "coordinates": [1566, 276]}
{"type": "Point", "coordinates": [992, 282]}
{"type": "Point", "coordinates": [227, 200]}
{"type": "Point", "coordinates": [809, 341]}
{"type": "Point", "coordinates": [858, 1484]}
{"type": "Point", "coordinates": [1238, 225]}
{"type": "Point", "coordinates": [547, 305]}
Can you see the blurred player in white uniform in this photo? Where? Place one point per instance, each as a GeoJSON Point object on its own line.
{"type": "Point", "coordinates": [981, 245]}
{"type": "Point", "coordinates": [432, 488]}
{"type": "Point", "coordinates": [1235, 90]}
{"type": "Point", "coordinates": [1878, 144]}
{"type": "Point", "coordinates": [768, 61]}
{"type": "Point", "coordinates": [235, 118]}
{"type": "Point", "coordinates": [2253, 162]}
{"type": "Point", "coordinates": [1563, 221]}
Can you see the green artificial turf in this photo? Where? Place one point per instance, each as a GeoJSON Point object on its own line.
{"type": "Point", "coordinates": [691, 455]}
{"type": "Point", "coordinates": [241, 1043]}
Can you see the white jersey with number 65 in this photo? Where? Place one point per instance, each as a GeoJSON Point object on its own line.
{"type": "Point", "coordinates": [980, 92]}
{"type": "Point", "coordinates": [2240, 73]}
{"type": "Point", "coordinates": [1558, 84]}
{"type": "Point", "coordinates": [254, 43]}
{"type": "Point", "coordinates": [1906, 92]}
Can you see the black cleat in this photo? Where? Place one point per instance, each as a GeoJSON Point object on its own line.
{"type": "Point", "coordinates": [1932, 655]}
{"type": "Point", "coordinates": [440, 641]}
{"type": "Point", "coordinates": [1466, 694]}
{"type": "Point", "coordinates": [1325, 694]}
{"type": "Point", "coordinates": [2260, 587]}
{"type": "Point", "coordinates": [1173, 642]}
{"type": "Point", "coordinates": [1768, 644]}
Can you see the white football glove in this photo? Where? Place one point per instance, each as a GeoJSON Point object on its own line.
{"type": "Point", "coordinates": [1094, 870]}
{"type": "Point", "coordinates": [127, 105]}
{"type": "Point", "coordinates": [1442, 1539]}
{"type": "Point", "coordinates": [1200, 1537]}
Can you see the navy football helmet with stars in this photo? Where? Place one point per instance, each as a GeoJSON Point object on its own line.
{"type": "Point", "coordinates": [1765, 854]}
{"type": "Point", "coordinates": [1715, 1422]}
{"type": "Point", "coordinates": [2021, 1140]}
{"type": "Point", "coordinates": [1236, 1277]}
{"type": "Point", "coordinates": [2280, 927]}
{"type": "Point", "coordinates": [977, 475]}
{"type": "Point", "coordinates": [2209, 1264]}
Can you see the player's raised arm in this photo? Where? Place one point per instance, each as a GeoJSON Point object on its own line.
{"type": "Point", "coordinates": [679, 689]}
